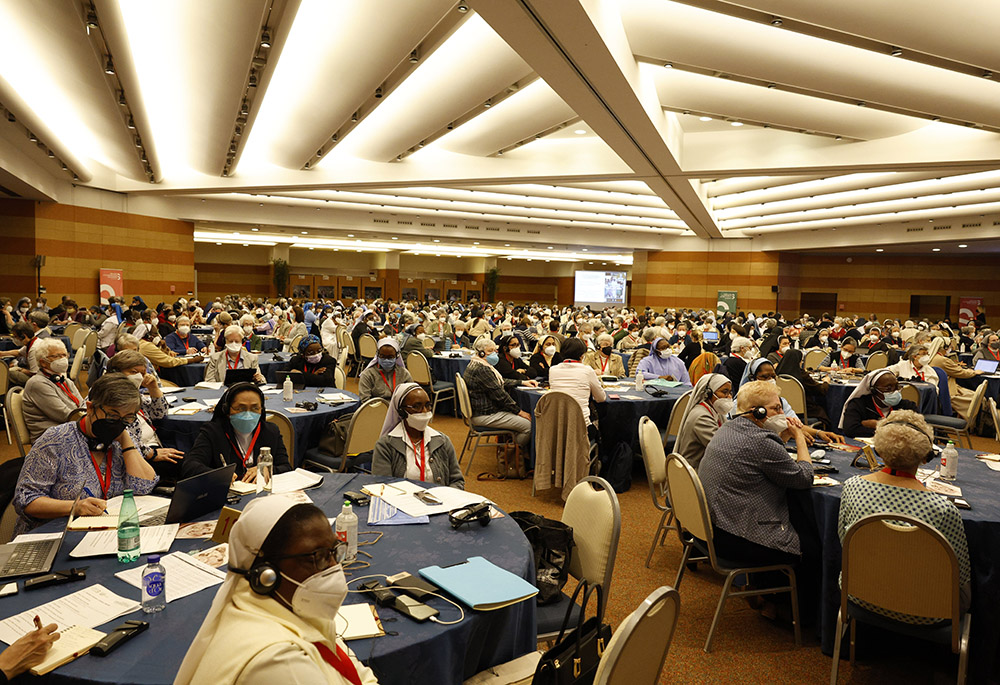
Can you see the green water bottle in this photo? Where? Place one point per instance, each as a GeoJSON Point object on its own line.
{"type": "Point", "coordinates": [128, 530]}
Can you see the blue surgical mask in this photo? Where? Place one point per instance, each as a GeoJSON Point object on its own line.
{"type": "Point", "coordinates": [892, 398]}
{"type": "Point", "coordinates": [387, 364]}
{"type": "Point", "coordinates": [493, 358]}
{"type": "Point", "coordinates": [244, 421]}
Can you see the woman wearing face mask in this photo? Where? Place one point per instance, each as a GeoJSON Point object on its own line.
{"type": "Point", "coordinates": [761, 369]}
{"type": "Point", "coordinates": [312, 366]}
{"type": "Point", "coordinates": [152, 407]}
{"type": "Point", "coordinates": [49, 395]}
{"type": "Point", "coordinates": [791, 365]}
{"type": "Point", "coordinates": [492, 404]}
{"type": "Point", "coordinates": [961, 397]}
{"type": "Point", "coordinates": [546, 355]}
{"type": "Point", "coordinates": [284, 586]}
{"type": "Point", "coordinates": [845, 361]}
{"type": "Point", "coordinates": [915, 365]}
{"type": "Point", "coordinates": [413, 341]}
{"type": "Point", "coordinates": [822, 340]}
{"type": "Point", "coordinates": [95, 452]}
{"type": "Point", "coordinates": [746, 474]}
{"type": "Point", "coordinates": [705, 414]}
{"type": "Point", "coordinates": [989, 349]}
{"type": "Point", "coordinates": [876, 397]}
{"type": "Point", "coordinates": [409, 447]}
{"type": "Point", "coordinates": [604, 360]}
{"type": "Point", "coordinates": [235, 435]}
{"type": "Point", "coordinates": [511, 365]}
{"type": "Point", "coordinates": [664, 364]}
{"type": "Point", "coordinates": [384, 373]}
{"type": "Point", "coordinates": [251, 341]}
{"type": "Point", "coordinates": [234, 356]}
{"type": "Point", "coordinates": [182, 342]}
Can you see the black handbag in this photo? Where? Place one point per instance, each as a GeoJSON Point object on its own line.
{"type": "Point", "coordinates": [574, 657]}
{"type": "Point", "coordinates": [552, 547]}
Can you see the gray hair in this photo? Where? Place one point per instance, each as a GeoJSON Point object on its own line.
{"type": "Point", "coordinates": [114, 390]}
{"type": "Point", "coordinates": [897, 440]}
{"type": "Point", "coordinates": [126, 339]}
{"type": "Point", "coordinates": [233, 329]}
{"type": "Point", "coordinates": [740, 343]}
{"type": "Point", "coordinates": [650, 333]}
{"type": "Point", "coordinates": [604, 338]}
{"type": "Point", "coordinates": [484, 343]}
{"type": "Point", "coordinates": [39, 318]}
{"type": "Point", "coordinates": [126, 359]}
{"type": "Point", "coordinates": [912, 351]}
{"type": "Point", "coordinates": [43, 347]}
{"type": "Point", "coordinates": [756, 394]}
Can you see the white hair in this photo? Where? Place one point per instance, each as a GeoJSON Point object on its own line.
{"type": "Point", "coordinates": [484, 344]}
{"type": "Point", "coordinates": [247, 319]}
{"type": "Point", "coordinates": [233, 329]}
{"type": "Point", "coordinates": [43, 347]}
{"type": "Point", "coordinates": [740, 343]}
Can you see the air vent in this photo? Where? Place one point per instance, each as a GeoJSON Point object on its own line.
{"type": "Point", "coordinates": [534, 232]}
{"type": "Point", "coordinates": [424, 223]}
{"type": "Point", "coordinates": [914, 230]}
{"type": "Point", "coordinates": [971, 225]}
{"type": "Point", "coordinates": [380, 221]}
{"type": "Point", "coordinates": [942, 228]}
{"type": "Point", "coordinates": [471, 228]}
{"type": "Point", "coordinates": [404, 223]}
{"type": "Point", "coordinates": [451, 225]}
{"type": "Point", "coordinates": [513, 230]}
{"type": "Point", "coordinates": [490, 228]}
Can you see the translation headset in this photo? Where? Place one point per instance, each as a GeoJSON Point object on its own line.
{"type": "Point", "coordinates": [264, 579]}
{"type": "Point", "coordinates": [759, 413]}
{"type": "Point", "coordinates": [474, 512]}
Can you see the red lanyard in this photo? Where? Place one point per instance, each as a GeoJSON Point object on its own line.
{"type": "Point", "coordinates": [996, 355]}
{"type": "Point", "coordinates": [64, 386]}
{"type": "Point", "coordinates": [604, 364]}
{"type": "Point", "coordinates": [889, 409]}
{"type": "Point", "coordinates": [843, 363]}
{"type": "Point", "coordinates": [104, 482]}
{"type": "Point", "coordinates": [711, 412]}
{"type": "Point", "coordinates": [920, 374]}
{"type": "Point", "coordinates": [393, 386]}
{"type": "Point", "coordinates": [185, 341]}
{"type": "Point", "coordinates": [423, 459]}
{"type": "Point", "coordinates": [340, 662]}
{"type": "Point", "coordinates": [235, 364]}
{"type": "Point", "coordinates": [249, 453]}
{"type": "Point", "coordinates": [901, 474]}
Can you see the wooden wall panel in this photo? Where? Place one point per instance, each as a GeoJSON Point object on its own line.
{"type": "Point", "coordinates": [693, 279]}
{"type": "Point", "coordinates": [17, 233]}
{"type": "Point", "coordinates": [218, 280]}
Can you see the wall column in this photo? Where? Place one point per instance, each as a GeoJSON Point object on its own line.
{"type": "Point", "coordinates": [387, 266]}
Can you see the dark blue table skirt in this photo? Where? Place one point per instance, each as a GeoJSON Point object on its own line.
{"type": "Point", "coordinates": [7, 343]}
{"type": "Point", "coordinates": [192, 374]}
{"type": "Point", "coordinates": [180, 431]}
{"type": "Point", "coordinates": [419, 653]}
{"type": "Point", "coordinates": [992, 388]}
{"type": "Point", "coordinates": [982, 530]}
{"type": "Point", "coordinates": [444, 368]}
{"type": "Point", "coordinates": [837, 395]}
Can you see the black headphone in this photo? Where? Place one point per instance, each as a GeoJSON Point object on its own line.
{"type": "Point", "coordinates": [474, 512]}
{"type": "Point", "coordinates": [264, 579]}
{"type": "Point", "coordinates": [932, 453]}
{"type": "Point", "coordinates": [759, 413]}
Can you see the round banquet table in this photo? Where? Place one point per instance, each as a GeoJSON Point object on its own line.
{"type": "Point", "coordinates": [415, 652]}
{"type": "Point", "coordinates": [992, 384]}
{"type": "Point", "coordinates": [618, 418]}
{"type": "Point", "coordinates": [444, 368]}
{"type": "Point", "coordinates": [179, 431]}
{"type": "Point", "coordinates": [7, 343]}
{"type": "Point", "coordinates": [838, 393]}
{"type": "Point", "coordinates": [982, 530]}
{"type": "Point", "coordinates": [192, 374]}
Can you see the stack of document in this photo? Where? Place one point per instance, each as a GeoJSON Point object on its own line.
{"type": "Point", "coordinates": [152, 540]}
{"type": "Point", "coordinates": [382, 514]}
{"type": "Point", "coordinates": [89, 607]}
{"type": "Point", "coordinates": [210, 385]}
{"type": "Point", "coordinates": [188, 409]}
{"type": "Point", "coordinates": [357, 622]}
{"type": "Point", "coordinates": [334, 397]}
{"type": "Point", "coordinates": [402, 495]}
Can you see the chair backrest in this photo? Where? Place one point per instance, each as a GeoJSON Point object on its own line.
{"type": "Point", "coordinates": [464, 403]}
{"type": "Point", "coordinates": [293, 346]}
{"type": "Point", "coordinates": [639, 646]}
{"type": "Point", "coordinates": [15, 416]}
{"type": "Point", "coordinates": [791, 389]}
{"type": "Point", "coordinates": [76, 414]}
{"type": "Point", "coordinates": [77, 337]}
{"type": "Point", "coordinates": [366, 427]}
{"type": "Point", "coordinates": [339, 377]}
{"type": "Point", "coordinates": [992, 403]}
{"type": "Point", "coordinates": [876, 546]}
{"type": "Point", "coordinates": [878, 360]}
{"type": "Point", "coordinates": [349, 344]}
{"type": "Point", "coordinates": [286, 429]}
{"type": "Point", "coordinates": [813, 358]}
{"type": "Point", "coordinates": [90, 345]}
{"type": "Point", "coordinates": [633, 361]}
{"type": "Point", "coordinates": [419, 369]}
{"type": "Point", "coordinates": [593, 513]}
{"type": "Point", "coordinates": [677, 414]}
{"type": "Point", "coordinates": [70, 332]}
{"type": "Point", "coordinates": [342, 358]}
{"type": "Point", "coordinates": [910, 392]}
{"type": "Point", "coordinates": [10, 471]}
{"type": "Point", "coordinates": [654, 459]}
{"type": "Point", "coordinates": [74, 369]}
{"type": "Point", "coordinates": [4, 379]}
{"type": "Point", "coordinates": [557, 416]}
{"type": "Point", "coordinates": [368, 345]}
{"type": "Point", "coordinates": [687, 500]}
{"type": "Point", "coordinates": [976, 404]}
{"type": "Point", "coordinates": [428, 343]}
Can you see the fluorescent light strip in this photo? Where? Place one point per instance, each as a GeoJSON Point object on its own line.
{"type": "Point", "coordinates": [892, 217]}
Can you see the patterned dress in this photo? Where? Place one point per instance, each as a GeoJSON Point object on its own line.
{"type": "Point", "coordinates": [863, 497]}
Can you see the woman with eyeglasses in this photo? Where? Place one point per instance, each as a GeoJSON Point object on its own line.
{"type": "Point", "coordinates": [875, 398]}
{"type": "Point", "coordinates": [95, 453]}
{"type": "Point", "coordinates": [271, 620]}
{"type": "Point", "coordinates": [409, 447]}
{"type": "Point", "coordinates": [235, 435]}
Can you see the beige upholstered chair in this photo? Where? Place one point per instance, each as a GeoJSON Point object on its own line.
{"type": "Point", "coordinates": [674, 422]}
{"type": "Point", "coordinates": [339, 378]}
{"type": "Point", "coordinates": [959, 427]}
{"type": "Point", "coordinates": [879, 360]}
{"type": "Point", "coordinates": [363, 432]}
{"type": "Point", "coordinates": [287, 432]}
{"type": "Point", "coordinates": [639, 646]}
{"type": "Point", "coordinates": [814, 358]}
{"type": "Point", "coordinates": [15, 416]}
{"type": "Point", "coordinates": [655, 461]}
{"type": "Point", "coordinates": [420, 371]}
{"type": "Point", "coordinates": [475, 435]}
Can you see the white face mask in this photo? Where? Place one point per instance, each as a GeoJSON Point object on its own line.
{"type": "Point", "coordinates": [171, 318]}
{"type": "Point", "coordinates": [59, 365]}
{"type": "Point", "coordinates": [183, 330]}
{"type": "Point", "coordinates": [320, 596]}
{"type": "Point", "coordinates": [784, 348]}
{"type": "Point", "coordinates": [233, 346]}
{"type": "Point", "coordinates": [550, 350]}
{"type": "Point", "coordinates": [665, 353]}
{"type": "Point", "coordinates": [723, 405]}
{"type": "Point", "coordinates": [314, 358]}
{"type": "Point", "coordinates": [419, 421]}
{"type": "Point", "coordinates": [924, 360]}
{"type": "Point", "coordinates": [156, 340]}
{"type": "Point", "coordinates": [516, 353]}
{"type": "Point", "coordinates": [778, 423]}
{"type": "Point", "coordinates": [844, 354]}
{"type": "Point", "coordinates": [136, 379]}
{"type": "Point", "coordinates": [248, 329]}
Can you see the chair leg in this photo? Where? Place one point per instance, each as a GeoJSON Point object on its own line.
{"type": "Point", "coordinates": [718, 610]}
{"type": "Point", "coordinates": [796, 624]}
{"type": "Point", "coordinates": [835, 668]}
{"type": "Point", "coordinates": [660, 535]}
{"type": "Point", "coordinates": [680, 569]}
{"type": "Point", "coordinates": [963, 649]}
{"type": "Point", "coordinates": [434, 407]}
{"type": "Point", "coordinates": [854, 631]}
{"type": "Point", "coordinates": [472, 454]}
{"type": "Point", "coordinates": [465, 446]}
{"type": "Point", "coordinates": [6, 425]}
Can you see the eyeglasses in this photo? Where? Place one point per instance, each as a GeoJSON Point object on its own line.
{"type": "Point", "coordinates": [127, 418]}
{"type": "Point", "coordinates": [322, 558]}
{"type": "Point", "coordinates": [418, 408]}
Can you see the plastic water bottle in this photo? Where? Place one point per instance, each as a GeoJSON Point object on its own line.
{"type": "Point", "coordinates": [154, 585]}
{"type": "Point", "coordinates": [128, 530]}
{"type": "Point", "coordinates": [640, 383]}
{"type": "Point", "coordinates": [265, 470]}
{"type": "Point", "coordinates": [287, 389]}
{"type": "Point", "coordinates": [347, 531]}
{"type": "Point", "coordinates": [949, 462]}
{"type": "Point", "coordinates": [447, 343]}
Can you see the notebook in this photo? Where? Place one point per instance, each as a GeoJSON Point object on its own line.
{"type": "Point", "coordinates": [73, 642]}
{"type": "Point", "coordinates": [480, 584]}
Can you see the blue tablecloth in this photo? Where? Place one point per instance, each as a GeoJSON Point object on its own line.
{"type": "Point", "coordinates": [982, 529]}
{"type": "Point", "coordinates": [444, 368]}
{"type": "Point", "coordinates": [837, 395]}
{"type": "Point", "coordinates": [992, 387]}
{"type": "Point", "coordinates": [419, 653]}
{"type": "Point", "coordinates": [192, 374]}
{"type": "Point", "coordinates": [7, 343]}
{"type": "Point", "coordinates": [180, 431]}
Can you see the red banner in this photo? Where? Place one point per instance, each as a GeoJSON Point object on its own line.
{"type": "Point", "coordinates": [967, 309]}
{"type": "Point", "coordinates": [112, 284]}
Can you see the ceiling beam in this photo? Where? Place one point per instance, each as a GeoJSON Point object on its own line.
{"type": "Point", "coordinates": [593, 71]}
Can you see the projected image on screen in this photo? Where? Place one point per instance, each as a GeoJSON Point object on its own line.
{"type": "Point", "coordinates": [599, 289]}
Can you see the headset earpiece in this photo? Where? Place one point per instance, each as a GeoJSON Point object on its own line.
{"type": "Point", "coordinates": [931, 454]}
{"type": "Point", "coordinates": [759, 413]}
{"type": "Point", "coordinates": [264, 579]}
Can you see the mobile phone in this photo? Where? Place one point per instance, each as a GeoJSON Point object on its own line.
{"type": "Point", "coordinates": [383, 596]}
{"type": "Point", "coordinates": [357, 498]}
{"type": "Point", "coordinates": [961, 503]}
{"type": "Point", "coordinates": [614, 397]}
{"type": "Point", "coordinates": [418, 588]}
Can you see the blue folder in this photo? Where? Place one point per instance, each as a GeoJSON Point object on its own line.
{"type": "Point", "coordinates": [480, 584]}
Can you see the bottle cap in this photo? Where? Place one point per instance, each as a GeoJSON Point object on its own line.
{"type": "Point", "coordinates": [153, 559]}
{"type": "Point", "coordinates": [347, 507]}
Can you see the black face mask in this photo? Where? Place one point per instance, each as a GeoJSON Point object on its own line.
{"type": "Point", "coordinates": [606, 351]}
{"type": "Point", "coordinates": [106, 430]}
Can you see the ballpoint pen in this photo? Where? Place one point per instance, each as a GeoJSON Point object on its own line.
{"type": "Point", "coordinates": [90, 494]}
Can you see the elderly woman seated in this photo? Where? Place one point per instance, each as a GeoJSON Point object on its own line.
{"type": "Point", "coordinates": [662, 363]}
{"type": "Point", "coordinates": [49, 395]}
{"type": "Point", "coordinates": [604, 360]}
{"type": "Point", "coordinates": [915, 365]}
{"type": "Point", "coordinates": [409, 447]}
{"type": "Point", "coordinates": [284, 584]}
{"type": "Point", "coordinates": [182, 342]}
{"type": "Point", "coordinates": [845, 361]}
{"type": "Point", "coordinates": [384, 373]}
{"type": "Point", "coordinates": [492, 405]}
{"type": "Point", "coordinates": [235, 356]}
{"type": "Point", "coordinates": [706, 411]}
{"type": "Point", "coordinates": [95, 454]}
{"type": "Point", "coordinates": [511, 364]}
{"type": "Point", "coordinates": [903, 441]}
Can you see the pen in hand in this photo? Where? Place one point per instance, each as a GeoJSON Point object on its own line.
{"type": "Point", "coordinates": [38, 622]}
{"type": "Point", "coordinates": [90, 494]}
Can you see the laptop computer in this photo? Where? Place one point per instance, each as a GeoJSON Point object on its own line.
{"type": "Point", "coordinates": [710, 336]}
{"type": "Point", "coordinates": [194, 497]}
{"type": "Point", "coordinates": [234, 376]}
{"type": "Point", "coordinates": [33, 558]}
{"type": "Point", "coordinates": [987, 365]}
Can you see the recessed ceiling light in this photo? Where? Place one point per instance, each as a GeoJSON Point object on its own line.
{"type": "Point", "coordinates": [246, 244]}
{"type": "Point", "coordinates": [580, 131]}
{"type": "Point", "coordinates": [878, 249]}
{"type": "Point", "coordinates": [254, 229]}
{"type": "Point", "coordinates": [735, 123]}
{"type": "Point", "coordinates": [668, 65]}
{"type": "Point", "coordinates": [436, 240]}
{"type": "Point", "coordinates": [305, 232]}
{"type": "Point", "coordinates": [218, 243]}
{"type": "Point", "coordinates": [550, 247]}
{"type": "Point", "coordinates": [584, 249]}
{"type": "Point", "coordinates": [547, 261]}
{"type": "Point", "coordinates": [896, 52]}
{"type": "Point", "coordinates": [936, 249]}
{"type": "Point", "coordinates": [350, 235]}
{"type": "Point", "coordinates": [395, 238]}
{"type": "Point", "coordinates": [475, 242]}
{"type": "Point", "coordinates": [704, 118]}
{"type": "Point", "coordinates": [506, 244]}
{"type": "Point", "coordinates": [510, 259]}
{"type": "Point", "coordinates": [312, 248]}
{"type": "Point", "coordinates": [963, 246]}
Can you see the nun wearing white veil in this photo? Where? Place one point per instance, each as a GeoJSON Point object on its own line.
{"type": "Point", "coordinates": [272, 621]}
